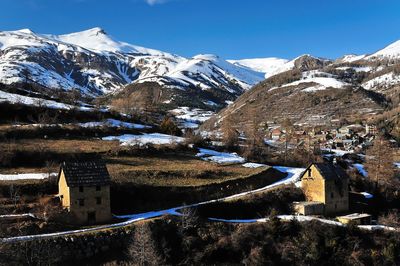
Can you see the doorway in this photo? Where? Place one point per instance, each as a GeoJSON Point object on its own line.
{"type": "Point", "coordinates": [91, 217]}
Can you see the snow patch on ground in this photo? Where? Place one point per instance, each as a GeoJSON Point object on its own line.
{"type": "Point", "coordinates": [12, 177]}
{"type": "Point", "coordinates": [219, 157]}
{"type": "Point", "coordinates": [360, 168]}
{"type": "Point", "coordinates": [151, 138]}
{"type": "Point", "coordinates": [322, 83]}
{"type": "Point", "coordinates": [334, 152]}
{"type": "Point", "coordinates": [367, 195]}
{"type": "Point", "coordinates": [113, 123]}
{"type": "Point", "coordinates": [191, 118]}
{"type": "Point", "coordinates": [253, 165]}
{"type": "Point", "coordinates": [384, 81]}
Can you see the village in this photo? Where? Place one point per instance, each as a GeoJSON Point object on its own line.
{"type": "Point", "coordinates": [104, 193]}
{"type": "Point", "coordinates": [348, 138]}
{"type": "Point", "coordinates": [241, 133]}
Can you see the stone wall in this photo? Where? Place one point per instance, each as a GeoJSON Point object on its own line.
{"type": "Point", "coordinates": [69, 249]}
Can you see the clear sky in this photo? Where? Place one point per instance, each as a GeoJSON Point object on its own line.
{"type": "Point", "coordinates": [233, 29]}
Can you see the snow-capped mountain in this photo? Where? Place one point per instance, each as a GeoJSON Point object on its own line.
{"type": "Point", "coordinates": [270, 65]}
{"type": "Point", "coordinates": [391, 51]}
{"type": "Point", "coordinates": [96, 64]}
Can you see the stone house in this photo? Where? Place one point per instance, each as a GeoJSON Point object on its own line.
{"type": "Point", "coordinates": [329, 184]}
{"type": "Point", "coordinates": [84, 190]}
{"type": "Point", "coordinates": [276, 134]}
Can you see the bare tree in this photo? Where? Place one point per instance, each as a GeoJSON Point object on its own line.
{"type": "Point", "coordinates": [288, 127]}
{"type": "Point", "coordinates": [188, 219]}
{"type": "Point", "coordinates": [14, 195]}
{"type": "Point", "coordinates": [142, 249]}
{"type": "Point", "coordinates": [379, 162]}
{"type": "Point", "coordinates": [230, 136]}
{"type": "Point", "coordinates": [390, 219]}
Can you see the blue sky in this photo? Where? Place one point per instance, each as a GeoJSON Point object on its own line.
{"type": "Point", "coordinates": [232, 29]}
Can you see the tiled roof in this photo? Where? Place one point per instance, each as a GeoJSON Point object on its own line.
{"type": "Point", "coordinates": [329, 171]}
{"type": "Point", "coordinates": [86, 173]}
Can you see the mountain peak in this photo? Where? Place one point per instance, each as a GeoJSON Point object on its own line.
{"type": "Point", "coordinates": [95, 31]}
{"type": "Point", "coordinates": [390, 51]}
{"type": "Point", "coordinates": [27, 31]}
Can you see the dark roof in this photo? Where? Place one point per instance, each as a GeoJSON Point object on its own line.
{"type": "Point", "coordinates": [85, 173]}
{"type": "Point", "coordinates": [330, 171]}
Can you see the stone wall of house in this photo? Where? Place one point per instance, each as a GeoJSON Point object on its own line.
{"type": "Point", "coordinates": [89, 196]}
{"type": "Point", "coordinates": [313, 185]}
{"type": "Point", "coordinates": [333, 193]}
{"type": "Point", "coordinates": [337, 196]}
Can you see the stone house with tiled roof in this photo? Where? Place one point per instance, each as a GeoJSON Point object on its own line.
{"type": "Point", "coordinates": [84, 190]}
{"type": "Point", "coordinates": [329, 184]}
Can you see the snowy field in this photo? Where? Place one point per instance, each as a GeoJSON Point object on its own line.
{"type": "Point", "coordinates": [219, 157]}
{"type": "Point", "coordinates": [113, 123]}
{"type": "Point", "coordinates": [37, 102]}
{"type": "Point", "coordinates": [12, 177]}
{"type": "Point", "coordinates": [191, 118]}
{"type": "Point", "coordinates": [152, 138]}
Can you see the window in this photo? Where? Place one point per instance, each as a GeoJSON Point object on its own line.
{"type": "Point", "coordinates": [80, 189]}
{"type": "Point", "coordinates": [81, 202]}
{"type": "Point", "coordinates": [331, 195]}
{"type": "Point", "coordinates": [98, 188]}
{"type": "Point", "coordinates": [309, 172]}
{"type": "Point", "coordinates": [98, 200]}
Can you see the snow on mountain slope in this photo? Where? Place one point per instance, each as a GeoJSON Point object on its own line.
{"type": "Point", "coordinates": [390, 51]}
{"type": "Point", "coordinates": [212, 70]}
{"type": "Point", "coordinates": [318, 81]}
{"type": "Point", "coordinates": [350, 58]}
{"type": "Point", "coordinates": [382, 82]}
{"type": "Point", "coordinates": [97, 39]}
{"type": "Point", "coordinates": [270, 66]}
{"type": "Point", "coordinates": [95, 63]}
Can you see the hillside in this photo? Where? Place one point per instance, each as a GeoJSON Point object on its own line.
{"type": "Point", "coordinates": [329, 91]}
{"type": "Point", "coordinates": [95, 64]}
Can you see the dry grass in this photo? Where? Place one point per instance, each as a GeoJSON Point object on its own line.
{"type": "Point", "coordinates": [158, 169]}
{"type": "Point", "coordinates": [59, 146]}
{"type": "Point", "coordinates": [173, 171]}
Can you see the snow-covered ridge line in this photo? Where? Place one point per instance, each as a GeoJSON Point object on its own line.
{"type": "Point", "coordinates": [25, 51]}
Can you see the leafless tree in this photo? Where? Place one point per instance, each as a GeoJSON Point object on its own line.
{"type": "Point", "coordinates": [379, 162]}
{"type": "Point", "coordinates": [142, 250]}
{"type": "Point", "coordinates": [390, 219]}
{"type": "Point", "coordinates": [230, 136]}
{"type": "Point", "coordinates": [14, 195]}
{"type": "Point", "coordinates": [288, 127]}
{"type": "Point", "coordinates": [188, 219]}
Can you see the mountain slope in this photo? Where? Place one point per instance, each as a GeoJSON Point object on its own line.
{"type": "Point", "coordinates": [94, 63]}
{"type": "Point", "coordinates": [306, 97]}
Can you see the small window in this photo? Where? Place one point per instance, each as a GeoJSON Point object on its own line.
{"type": "Point", "coordinates": [98, 200]}
{"type": "Point", "coordinates": [331, 195]}
{"type": "Point", "coordinates": [81, 202]}
{"type": "Point", "coordinates": [98, 188]}
{"type": "Point", "coordinates": [80, 188]}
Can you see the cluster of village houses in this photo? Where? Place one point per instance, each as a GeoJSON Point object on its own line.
{"type": "Point", "coordinates": [347, 138]}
